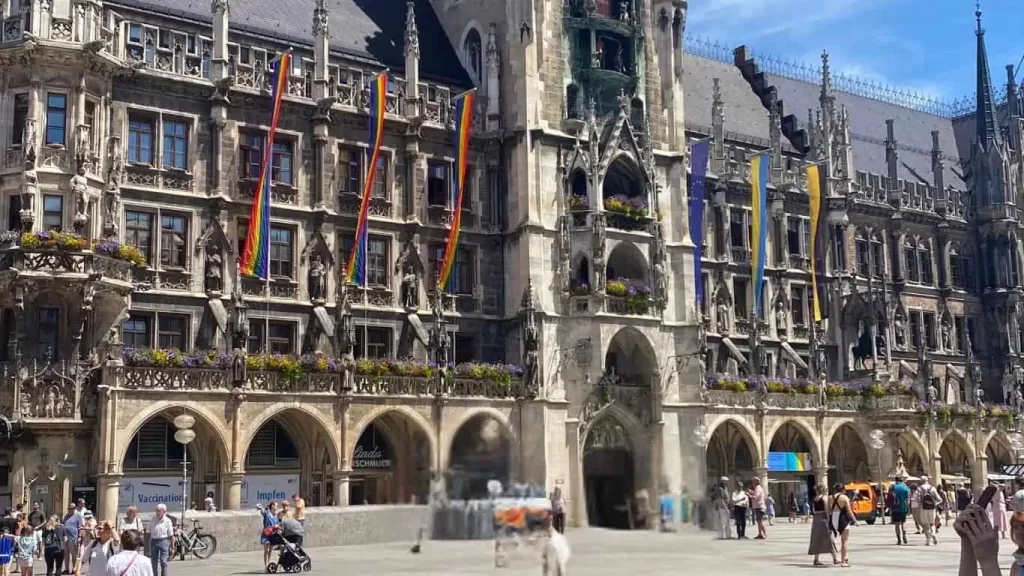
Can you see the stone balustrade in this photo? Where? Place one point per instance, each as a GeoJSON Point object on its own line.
{"type": "Point", "coordinates": [60, 262]}
{"type": "Point", "coordinates": [160, 378]}
{"type": "Point", "coordinates": [753, 399]}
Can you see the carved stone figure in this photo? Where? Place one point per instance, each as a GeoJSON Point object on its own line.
{"type": "Point", "coordinates": [1008, 386]}
{"type": "Point", "coordinates": [899, 332]}
{"type": "Point", "coordinates": [723, 318]}
{"type": "Point", "coordinates": [317, 279]}
{"type": "Point", "coordinates": [661, 281]}
{"type": "Point", "coordinates": [947, 339]}
{"type": "Point", "coordinates": [29, 193]}
{"type": "Point", "coordinates": [978, 395]}
{"type": "Point", "coordinates": [531, 342]}
{"type": "Point", "coordinates": [931, 394]}
{"type": "Point", "coordinates": [80, 188]}
{"type": "Point", "coordinates": [1018, 400]}
{"type": "Point", "coordinates": [599, 237]}
{"type": "Point", "coordinates": [50, 404]}
{"type": "Point", "coordinates": [213, 273]}
{"type": "Point", "coordinates": [780, 317]}
{"type": "Point", "coordinates": [410, 287]}
{"type": "Point", "coordinates": [238, 369]}
{"type": "Point", "coordinates": [241, 327]}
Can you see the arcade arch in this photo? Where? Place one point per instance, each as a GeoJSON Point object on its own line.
{"type": "Point", "coordinates": [609, 473]}
{"type": "Point", "coordinates": [999, 453]}
{"type": "Point", "coordinates": [732, 452]}
{"type": "Point", "coordinates": [848, 456]}
{"type": "Point", "coordinates": [630, 359]}
{"type": "Point", "coordinates": [391, 461]}
{"type": "Point", "coordinates": [481, 451]}
{"type": "Point", "coordinates": [956, 455]}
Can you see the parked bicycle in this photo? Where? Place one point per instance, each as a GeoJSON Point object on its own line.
{"type": "Point", "coordinates": [198, 543]}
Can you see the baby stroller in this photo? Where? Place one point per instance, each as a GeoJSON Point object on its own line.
{"type": "Point", "coordinates": [291, 556]}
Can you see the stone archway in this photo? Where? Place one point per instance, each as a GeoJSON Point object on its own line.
{"type": "Point", "coordinates": [481, 451]}
{"type": "Point", "coordinates": [391, 461]}
{"type": "Point", "coordinates": [152, 461]}
{"type": "Point", "coordinates": [791, 459]}
{"type": "Point", "coordinates": [957, 456]}
{"type": "Point", "coordinates": [609, 473]}
{"type": "Point", "coordinates": [914, 455]}
{"type": "Point", "coordinates": [999, 453]}
{"type": "Point", "coordinates": [289, 451]}
{"type": "Point", "coordinates": [848, 456]}
{"type": "Point", "coordinates": [731, 452]}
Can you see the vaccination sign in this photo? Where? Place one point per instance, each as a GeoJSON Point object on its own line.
{"type": "Point", "coordinates": [146, 493]}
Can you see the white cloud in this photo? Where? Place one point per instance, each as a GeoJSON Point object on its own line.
{"type": "Point", "coordinates": [753, 19]}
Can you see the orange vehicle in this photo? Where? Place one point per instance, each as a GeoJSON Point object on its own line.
{"type": "Point", "coordinates": [863, 500]}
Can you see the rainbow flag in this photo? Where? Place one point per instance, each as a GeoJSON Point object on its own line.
{"type": "Point", "coordinates": [256, 255]}
{"type": "Point", "coordinates": [463, 120]}
{"type": "Point", "coordinates": [355, 269]}
{"type": "Point", "coordinates": [759, 238]}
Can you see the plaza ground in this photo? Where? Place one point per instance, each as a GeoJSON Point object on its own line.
{"type": "Point", "coordinates": [598, 552]}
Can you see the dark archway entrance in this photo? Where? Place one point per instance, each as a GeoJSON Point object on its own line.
{"type": "Point", "coordinates": [608, 475]}
{"type": "Point", "coordinates": [390, 462]}
{"type": "Point", "coordinates": [481, 452]}
{"type": "Point", "coordinates": [848, 457]}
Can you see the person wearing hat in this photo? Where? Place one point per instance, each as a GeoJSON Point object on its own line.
{"type": "Point", "coordinates": [720, 503]}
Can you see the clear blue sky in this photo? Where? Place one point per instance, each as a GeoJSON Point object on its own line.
{"type": "Point", "coordinates": [927, 46]}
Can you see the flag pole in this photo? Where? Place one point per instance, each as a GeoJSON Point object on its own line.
{"type": "Point", "coordinates": [266, 318]}
{"type": "Point", "coordinates": [275, 59]}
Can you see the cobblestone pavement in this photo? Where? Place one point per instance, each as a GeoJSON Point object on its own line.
{"type": "Point", "coordinates": [603, 552]}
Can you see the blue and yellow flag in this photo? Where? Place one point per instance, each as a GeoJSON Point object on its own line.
{"type": "Point", "coordinates": [759, 166]}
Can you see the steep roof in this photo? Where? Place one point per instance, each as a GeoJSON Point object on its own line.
{"type": "Point", "coordinates": [370, 30]}
{"type": "Point", "coordinates": [745, 117]}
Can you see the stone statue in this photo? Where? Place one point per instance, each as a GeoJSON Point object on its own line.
{"type": "Point", "coordinates": [531, 342]}
{"type": "Point", "coordinates": [947, 339]}
{"type": "Point", "coordinates": [116, 161]}
{"type": "Point", "coordinates": [80, 188]}
{"type": "Point", "coordinates": [565, 251]}
{"type": "Point", "coordinates": [238, 369]}
{"type": "Point", "coordinates": [241, 327]}
{"type": "Point", "coordinates": [317, 279]}
{"type": "Point", "coordinates": [50, 404]}
{"type": "Point", "coordinates": [29, 192]}
{"type": "Point", "coordinates": [658, 242]}
{"type": "Point", "coordinates": [723, 318]}
{"type": "Point", "coordinates": [899, 332]}
{"type": "Point", "coordinates": [599, 237]}
{"type": "Point", "coordinates": [780, 317]}
{"type": "Point", "coordinates": [112, 206]}
{"type": "Point", "coordinates": [1018, 400]}
{"type": "Point", "coordinates": [1008, 386]}
{"type": "Point", "coordinates": [213, 272]}
{"type": "Point", "coordinates": [82, 147]}
{"type": "Point", "coordinates": [410, 287]}
{"type": "Point", "coordinates": [978, 394]}
{"type": "Point", "coordinates": [28, 139]}
{"type": "Point", "coordinates": [931, 394]}
{"type": "Point", "coordinates": [661, 281]}
{"type": "Point", "coordinates": [624, 11]}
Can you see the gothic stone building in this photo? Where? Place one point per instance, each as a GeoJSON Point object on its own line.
{"type": "Point", "coordinates": [135, 132]}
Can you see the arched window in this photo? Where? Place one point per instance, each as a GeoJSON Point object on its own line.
{"type": "Point", "coordinates": [861, 253]}
{"type": "Point", "coordinates": [956, 279]}
{"type": "Point", "coordinates": [472, 48]}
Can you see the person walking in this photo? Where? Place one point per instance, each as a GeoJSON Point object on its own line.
{"type": "Point", "coordinates": [97, 553]}
{"type": "Point", "coordinates": [161, 541]}
{"type": "Point", "coordinates": [54, 538]}
{"type": "Point", "coordinates": [558, 509]}
{"type": "Point", "coordinates": [915, 506]}
{"type": "Point", "coordinates": [131, 521]}
{"type": "Point", "coordinates": [930, 501]}
{"type": "Point", "coordinates": [792, 507]}
{"type": "Point", "coordinates": [300, 508]}
{"type": "Point", "coordinates": [770, 503]}
{"type": "Point", "coordinates": [997, 511]}
{"type": "Point", "coordinates": [30, 546]}
{"type": "Point", "coordinates": [900, 507]}
{"type": "Point", "coordinates": [270, 521]}
{"type": "Point", "coordinates": [963, 497]}
{"type": "Point", "coordinates": [759, 506]}
{"type": "Point", "coordinates": [556, 552]}
{"type": "Point", "coordinates": [740, 506]}
{"type": "Point", "coordinates": [720, 502]}
{"type": "Point", "coordinates": [841, 519]}
{"type": "Point", "coordinates": [821, 539]}
{"type": "Point", "coordinates": [72, 523]}
{"type": "Point", "coordinates": [36, 518]}
{"type": "Point", "coordinates": [129, 561]}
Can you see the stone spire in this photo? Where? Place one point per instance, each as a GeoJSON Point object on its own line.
{"type": "Point", "coordinates": [221, 21]}
{"type": "Point", "coordinates": [321, 49]}
{"type": "Point", "coordinates": [492, 89]}
{"type": "Point", "coordinates": [985, 112]}
{"type": "Point", "coordinates": [827, 99]}
{"type": "Point", "coordinates": [320, 18]}
{"type": "Point", "coordinates": [412, 34]}
{"type": "Point", "coordinates": [938, 165]}
{"type": "Point", "coordinates": [892, 162]}
{"type": "Point", "coordinates": [412, 62]}
{"type": "Point", "coordinates": [718, 159]}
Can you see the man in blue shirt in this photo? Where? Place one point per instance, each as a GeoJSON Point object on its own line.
{"type": "Point", "coordinates": [72, 522]}
{"type": "Point", "coordinates": [901, 504]}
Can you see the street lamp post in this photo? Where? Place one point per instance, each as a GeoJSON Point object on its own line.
{"type": "Point", "coordinates": [878, 443]}
{"type": "Point", "coordinates": [702, 437]}
{"type": "Point", "coordinates": [184, 435]}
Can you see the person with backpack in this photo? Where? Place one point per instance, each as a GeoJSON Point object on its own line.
{"type": "Point", "coordinates": [54, 537]}
{"type": "Point", "coordinates": [930, 501]}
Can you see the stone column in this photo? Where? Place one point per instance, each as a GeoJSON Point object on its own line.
{"type": "Point", "coordinates": [231, 490]}
{"type": "Point", "coordinates": [820, 475]}
{"type": "Point", "coordinates": [107, 495]}
{"type": "Point", "coordinates": [344, 471]}
{"type": "Point", "coordinates": [659, 485]}
{"type": "Point", "coordinates": [577, 498]}
{"type": "Point", "coordinates": [762, 473]}
{"type": "Point", "coordinates": [341, 486]}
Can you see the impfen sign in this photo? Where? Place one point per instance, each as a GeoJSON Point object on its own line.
{"type": "Point", "coordinates": [267, 488]}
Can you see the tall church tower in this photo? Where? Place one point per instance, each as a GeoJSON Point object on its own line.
{"type": "Point", "coordinates": [996, 195]}
{"type": "Point", "coordinates": [585, 103]}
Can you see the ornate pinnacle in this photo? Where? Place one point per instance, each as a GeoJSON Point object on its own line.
{"type": "Point", "coordinates": [527, 302]}
{"type": "Point", "coordinates": [320, 18]}
{"type": "Point", "coordinates": [220, 5]}
{"type": "Point", "coordinates": [412, 36]}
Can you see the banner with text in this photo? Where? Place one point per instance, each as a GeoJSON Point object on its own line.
{"type": "Point", "coordinates": [146, 492]}
{"type": "Point", "coordinates": [266, 488]}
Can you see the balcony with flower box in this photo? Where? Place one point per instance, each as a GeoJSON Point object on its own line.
{"type": "Point", "coordinates": [68, 256]}
{"type": "Point", "coordinates": [578, 207]}
{"type": "Point", "coordinates": [797, 393]}
{"type": "Point", "coordinates": [966, 416]}
{"type": "Point", "coordinates": [628, 214]}
{"type": "Point", "coordinates": [628, 297]}
{"type": "Point", "coordinates": [315, 374]}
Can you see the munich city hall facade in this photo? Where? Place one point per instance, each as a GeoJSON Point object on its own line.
{"type": "Point", "coordinates": [569, 349]}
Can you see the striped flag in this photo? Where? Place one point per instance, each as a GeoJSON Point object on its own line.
{"type": "Point", "coordinates": [698, 180]}
{"type": "Point", "coordinates": [256, 255]}
{"type": "Point", "coordinates": [355, 269]}
{"type": "Point", "coordinates": [759, 166]}
{"type": "Point", "coordinates": [819, 236]}
{"type": "Point", "coordinates": [463, 121]}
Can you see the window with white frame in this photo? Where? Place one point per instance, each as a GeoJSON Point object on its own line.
{"type": "Point", "coordinates": [53, 212]}
{"type": "Point", "coordinates": [158, 140]}
{"type": "Point", "coordinates": [373, 342]}
{"type": "Point", "coordinates": [163, 330]}
{"type": "Point", "coordinates": [252, 150]}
